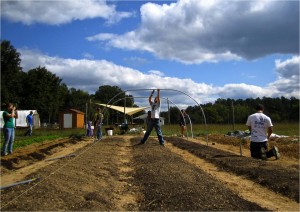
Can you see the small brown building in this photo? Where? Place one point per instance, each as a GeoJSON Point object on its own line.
{"type": "Point", "coordinates": [71, 118]}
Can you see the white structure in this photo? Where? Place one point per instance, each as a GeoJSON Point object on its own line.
{"type": "Point", "coordinates": [21, 120]}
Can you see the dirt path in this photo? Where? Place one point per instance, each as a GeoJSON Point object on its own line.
{"type": "Point", "coordinates": [123, 197]}
{"type": "Point", "coordinates": [247, 189]}
{"type": "Point", "coordinates": [116, 175]}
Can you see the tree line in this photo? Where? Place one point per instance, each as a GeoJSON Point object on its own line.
{"type": "Point", "coordinates": [39, 89]}
{"type": "Point", "coordinates": [228, 111]}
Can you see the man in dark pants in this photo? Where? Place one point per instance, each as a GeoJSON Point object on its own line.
{"type": "Point", "coordinates": [29, 120]}
{"type": "Point", "coordinates": [261, 128]}
{"type": "Point", "coordinates": [154, 120]}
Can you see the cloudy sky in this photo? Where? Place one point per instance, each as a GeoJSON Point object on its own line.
{"type": "Point", "coordinates": [207, 49]}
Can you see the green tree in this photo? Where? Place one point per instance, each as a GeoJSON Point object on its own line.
{"type": "Point", "coordinates": [43, 92]}
{"type": "Point", "coordinates": [77, 99]}
{"type": "Point", "coordinates": [174, 115]}
{"type": "Point", "coordinates": [224, 113]}
{"type": "Point", "coordinates": [105, 93]}
{"type": "Point", "coordinates": [11, 74]}
{"type": "Point", "coordinates": [294, 109]}
{"type": "Point", "coordinates": [241, 113]}
{"type": "Point", "coordinates": [63, 92]}
{"type": "Point", "coordinates": [211, 114]}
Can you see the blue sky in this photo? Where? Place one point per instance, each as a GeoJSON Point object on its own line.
{"type": "Point", "coordinates": [208, 49]}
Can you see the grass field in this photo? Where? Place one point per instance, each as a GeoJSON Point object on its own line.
{"type": "Point", "coordinates": [288, 129]}
{"type": "Point", "coordinates": [40, 135]}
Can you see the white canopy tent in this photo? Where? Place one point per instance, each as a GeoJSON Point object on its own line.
{"type": "Point", "coordinates": [21, 120]}
{"type": "Point", "coordinates": [127, 110]}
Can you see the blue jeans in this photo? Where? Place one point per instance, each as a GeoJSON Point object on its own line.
{"type": "Point", "coordinates": [9, 137]}
{"type": "Point", "coordinates": [156, 124]}
{"type": "Point", "coordinates": [99, 132]}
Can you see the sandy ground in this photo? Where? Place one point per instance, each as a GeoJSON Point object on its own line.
{"type": "Point", "coordinates": [114, 174]}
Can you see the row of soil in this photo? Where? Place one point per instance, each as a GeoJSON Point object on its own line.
{"type": "Point", "coordinates": [36, 152]}
{"type": "Point", "coordinates": [267, 173]}
{"type": "Point", "coordinates": [88, 181]}
{"type": "Point", "coordinates": [169, 183]}
{"type": "Point", "coordinates": [156, 179]}
{"type": "Point", "coordinates": [93, 180]}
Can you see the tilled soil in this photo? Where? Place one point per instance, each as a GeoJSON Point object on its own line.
{"type": "Point", "coordinates": [169, 183]}
{"type": "Point", "coordinates": [117, 174]}
{"type": "Point", "coordinates": [277, 178]}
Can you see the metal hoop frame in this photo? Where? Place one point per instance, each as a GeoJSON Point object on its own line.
{"type": "Point", "coordinates": [145, 89]}
{"type": "Point", "coordinates": [167, 99]}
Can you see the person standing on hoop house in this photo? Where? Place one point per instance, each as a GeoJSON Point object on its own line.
{"type": "Point", "coordinates": [154, 120]}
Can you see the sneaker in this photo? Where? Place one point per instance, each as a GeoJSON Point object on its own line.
{"type": "Point", "coordinates": [276, 152]}
{"type": "Point", "coordinates": [162, 144]}
{"type": "Point", "coordinates": [263, 153]}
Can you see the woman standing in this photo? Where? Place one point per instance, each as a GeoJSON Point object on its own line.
{"type": "Point", "coordinates": [9, 128]}
{"type": "Point", "coordinates": [182, 122]}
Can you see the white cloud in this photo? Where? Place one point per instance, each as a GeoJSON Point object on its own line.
{"type": "Point", "coordinates": [288, 68]}
{"type": "Point", "coordinates": [135, 61]}
{"type": "Point", "coordinates": [87, 55]}
{"type": "Point", "coordinates": [195, 31]}
{"type": "Point", "coordinates": [56, 12]}
{"type": "Point", "coordinates": [288, 81]}
{"type": "Point", "coordinates": [88, 75]}
{"type": "Point", "coordinates": [242, 91]}
{"type": "Point", "coordinates": [156, 72]}
{"type": "Point", "coordinates": [101, 37]}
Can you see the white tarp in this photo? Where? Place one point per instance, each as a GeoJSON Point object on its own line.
{"type": "Point", "coordinates": [21, 120]}
{"type": "Point", "coordinates": [128, 110]}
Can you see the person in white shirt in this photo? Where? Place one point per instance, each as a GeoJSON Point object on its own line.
{"type": "Point", "coordinates": [154, 120]}
{"type": "Point", "coordinates": [261, 128]}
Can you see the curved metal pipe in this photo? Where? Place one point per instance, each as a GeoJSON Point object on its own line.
{"type": "Point", "coordinates": [144, 89]}
{"type": "Point", "coordinates": [160, 97]}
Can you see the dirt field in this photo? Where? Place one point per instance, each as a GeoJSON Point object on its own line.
{"type": "Point", "coordinates": [117, 174]}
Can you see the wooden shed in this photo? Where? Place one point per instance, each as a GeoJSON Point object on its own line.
{"type": "Point", "coordinates": [71, 118]}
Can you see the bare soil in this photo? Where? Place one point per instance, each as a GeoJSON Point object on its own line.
{"type": "Point", "coordinates": [77, 174]}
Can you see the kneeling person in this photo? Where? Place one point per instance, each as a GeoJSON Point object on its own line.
{"type": "Point", "coordinates": [261, 128]}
